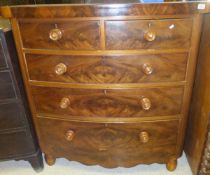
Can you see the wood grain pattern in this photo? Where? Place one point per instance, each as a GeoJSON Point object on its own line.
{"type": "Point", "coordinates": [108, 103]}
{"type": "Point", "coordinates": [106, 100]}
{"type": "Point", "coordinates": [76, 35]}
{"type": "Point", "coordinates": [141, 9]}
{"type": "Point", "coordinates": [108, 69]}
{"type": "Point", "coordinates": [173, 33]}
{"type": "Point", "coordinates": [109, 145]}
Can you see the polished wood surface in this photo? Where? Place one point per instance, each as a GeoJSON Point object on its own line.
{"type": "Point", "coordinates": [197, 132]}
{"type": "Point", "coordinates": [126, 84]}
{"type": "Point", "coordinates": [108, 103]}
{"type": "Point", "coordinates": [109, 145]}
{"type": "Point", "coordinates": [108, 69]}
{"type": "Point", "coordinates": [151, 10]}
{"type": "Point", "coordinates": [36, 34]}
{"type": "Point", "coordinates": [130, 35]}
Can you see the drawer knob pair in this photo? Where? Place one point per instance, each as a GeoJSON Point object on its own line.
{"type": "Point", "coordinates": [147, 69]}
{"type": "Point", "coordinates": [146, 103]}
{"type": "Point", "coordinates": [144, 137]}
{"type": "Point", "coordinates": [69, 135]}
{"type": "Point", "coordinates": [60, 69]}
{"type": "Point", "coordinates": [149, 35]}
{"type": "Point", "coordinates": [55, 34]}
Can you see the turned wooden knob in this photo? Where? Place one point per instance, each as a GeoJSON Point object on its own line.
{"type": "Point", "coordinates": [149, 35]}
{"type": "Point", "coordinates": [146, 103]}
{"type": "Point", "coordinates": [147, 69]}
{"type": "Point", "coordinates": [144, 137]}
{"type": "Point", "coordinates": [65, 102]}
{"type": "Point", "coordinates": [55, 34]}
{"type": "Point", "coordinates": [69, 135]}
{"type": "Point", "coordinates": [60, 69]}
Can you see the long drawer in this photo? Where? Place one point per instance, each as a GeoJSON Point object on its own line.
{"type": "Point", "coordinates": [148, 34]}
{"type": "Point", "coordinates": [141, 102]}
{"type": "Point", "coordinates": [71, 35]}
{"type": "Point", "coordinates": [108, 69]}
{"type": "Point", "coordinates": [109, 145]}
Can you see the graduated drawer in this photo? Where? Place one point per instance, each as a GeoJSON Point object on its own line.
{"type": "Point", "coordinates": [109, 145]}
{"type": "Point", "coordinates": [108, 69]}
{"type": "Point", "coordinates": [142, 102]}
{"type": "Point", "coordinates": [15, 143]}
{"type": "Point", "coordinates": [148, 34]}
{"type": "Point", "coordinates": [7, 90]}
{"type": "Point", "coordinates": [11, 115]}
{"type": "Point", "coordinates": [59, 34]}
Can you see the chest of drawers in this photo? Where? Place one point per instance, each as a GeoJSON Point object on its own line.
{"type": "Point", "coordinates": [17, 137]}
{"type": "Point", "coordinates": [109, 84]}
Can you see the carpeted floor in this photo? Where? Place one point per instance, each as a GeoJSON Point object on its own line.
{"type": "Point", "coordinates": [64, 167]}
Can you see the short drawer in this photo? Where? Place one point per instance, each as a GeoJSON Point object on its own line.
{"type": "Point", "coordinates": [7, 90]}
{"type": "Point", "coordinates": [148, 34]}
{"type": "Point", "coordinates": [11, 116]}
{"type": "Point", "coordinates": [71, 35]}
{"type": "Point", "coordinates": [108, 69]}
{"type": "Point", "coordinates": [141, 102]}
{"type": "Point", "coordinates": [15, 144]}
{"type": "Point", "coordinates": [109, 145]}
{"type": "Point", "coordinates": [3, 63]}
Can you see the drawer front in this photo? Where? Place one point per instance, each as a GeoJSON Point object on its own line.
{"type": "Point", "coordinates": [109, 145]}
{"type": "Point", "coordinates": [2, 57]}
{"type": "Point", "coordinates": [148, 34]}
{"type": "Point", "coordinates": [108, 103]}
{"type": "Point", "coordinates": [15, 144]}
{"type": "Point", "coordinates": [11, 116]}
{"type": "Point", "coordinates": [7, 90]}
{"type": "Point", "coordinates": [71, 35]}
{"type": "Point", "coordinates": [108, 69]}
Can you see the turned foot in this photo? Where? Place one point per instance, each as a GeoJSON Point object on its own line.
{"type": "Point", "coordinates": [171, 165]}
{"type": "Point", "coordinates": [50, 160]}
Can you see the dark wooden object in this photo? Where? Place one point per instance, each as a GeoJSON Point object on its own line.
{"type": "Point", "coordinates": [109, 85]}
{"type": "Point", "coordinates": [197, 146]}
{"type": "Point", "coordinates": [17, 137]}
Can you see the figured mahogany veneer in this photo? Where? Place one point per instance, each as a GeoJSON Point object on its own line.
{"type": "Point", "coordinates": [174, 33]}
{"type": "Point", "coordinates": [108, 69]}
{"type": "Point", "coordinates": [109, 84]}
{"type": "Point", "coordinates": [36, 34]}
{"type": "Point", "coordinates": [109, 145]}
{"type": "Point", "coordinates": [108, 102]}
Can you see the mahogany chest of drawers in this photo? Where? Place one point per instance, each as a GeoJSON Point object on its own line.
{"type": "Point", "coordinates": [109, 84]}
{"type": "Point", "coordinates": [17, 138]}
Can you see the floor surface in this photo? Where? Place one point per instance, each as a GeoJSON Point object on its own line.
{"type": "Point", "coordinates": [64, 167]}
